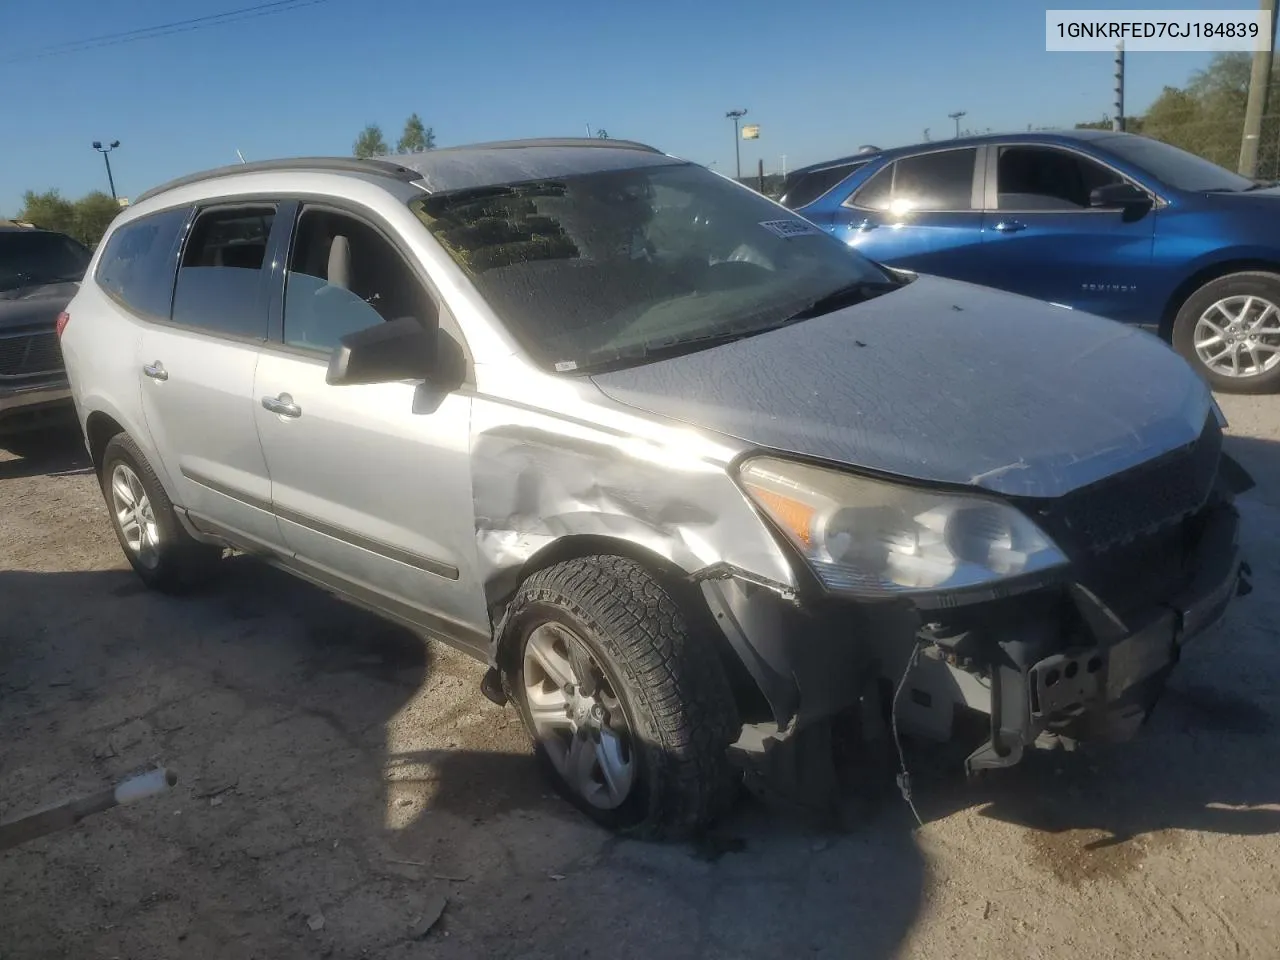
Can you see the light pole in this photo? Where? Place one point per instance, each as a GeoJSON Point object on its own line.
{"type": "Point", "coordinates": [736, 116]}
{"type": "Point", "coordinates": [956, 117]}
{"type": "Point", "coordinates": [97, 145]}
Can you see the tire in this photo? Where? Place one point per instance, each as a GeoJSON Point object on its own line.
{"type": "Point", "coordinates": [668, 682]}
{"type": "Point", "coordinates": [1233, 291]}
{"type": "Point", "coordinates": [167, 558]}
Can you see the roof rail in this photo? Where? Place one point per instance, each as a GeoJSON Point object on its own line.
{"type": "Point", "coordinates": [554, 142]}
{"type": "Point", "coordinates": [385, 168]}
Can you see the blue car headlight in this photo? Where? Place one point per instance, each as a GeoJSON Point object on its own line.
{"type": "Point", "coordinates": [872, 537]}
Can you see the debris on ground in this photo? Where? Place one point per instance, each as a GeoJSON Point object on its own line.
{"type": "Point", "coordinates": [432, 910]}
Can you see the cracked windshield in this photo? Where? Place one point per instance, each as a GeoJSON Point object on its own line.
{"type": "Point", "coordinates": [522, 483]}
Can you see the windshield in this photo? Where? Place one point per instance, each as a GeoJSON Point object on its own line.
{"type": "Point", "coordinates": [1174, 167]}
{"type": "Point", "coordinates": [617, 267]}
{"type": "Point", "coordinates": [30, 257]}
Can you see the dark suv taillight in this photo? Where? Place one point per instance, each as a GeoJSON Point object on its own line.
{"type": "Point", "coordinates": [61, 325]}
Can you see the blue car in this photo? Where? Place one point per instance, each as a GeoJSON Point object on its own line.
{"type": "Point", "coordinates": [1110, 223]}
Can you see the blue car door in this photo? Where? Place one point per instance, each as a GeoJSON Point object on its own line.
{"type": "Point", "coordinates": [1045, 240]}
{"type": "Point", "coordinates": [922, 212]}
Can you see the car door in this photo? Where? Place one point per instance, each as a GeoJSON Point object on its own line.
{"type": "Point", "coordinates": [196, 373]}
{"type": "Point", "coordinates": [371, 483]}
{"type": "Point", "coordinates": [1046, 241]}
{"type": "Point", "coordinates": [922, 212]}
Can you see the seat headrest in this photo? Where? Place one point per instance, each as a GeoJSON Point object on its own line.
{"type": "Point", "coordinates": [339, 272]}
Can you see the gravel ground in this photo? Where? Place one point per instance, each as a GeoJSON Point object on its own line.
{"type": "Point", "coordinates": [340, 779]}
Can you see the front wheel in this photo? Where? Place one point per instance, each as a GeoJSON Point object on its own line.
{"type": "Point", "coordinates": [630, 711]}
{"type": "Point", "coordinates": [1229, 330]}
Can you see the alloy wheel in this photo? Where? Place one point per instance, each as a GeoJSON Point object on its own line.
{"type": "Point", "coordinates": [577, 717]}
{"type": "Point", "coordinates": [134, 516]}
{"type": "Point", "coordinates": [1239, 336]}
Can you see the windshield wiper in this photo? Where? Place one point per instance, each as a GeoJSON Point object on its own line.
{"type": "Point", "coordinates": [845, 296]}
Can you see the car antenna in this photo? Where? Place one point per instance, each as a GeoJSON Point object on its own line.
{"type": "Point", "coordinates": [240, 155]}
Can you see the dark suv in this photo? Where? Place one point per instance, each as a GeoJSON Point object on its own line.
{"type": "Point", "coordinates": [40, 272]}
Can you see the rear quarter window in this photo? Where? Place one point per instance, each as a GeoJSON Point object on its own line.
{"type": "Point", "coordinates": [808, 187]}
{"type": "Point", "coordinates": [138, 265]}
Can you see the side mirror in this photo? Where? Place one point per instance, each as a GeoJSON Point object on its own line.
{"type": "Point", "coordinates": [1123, 196]}
{"type": "Point", "coordinates": [400, 349]}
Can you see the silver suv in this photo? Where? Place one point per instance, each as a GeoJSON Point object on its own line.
{"type": "Point", "coordinates": [690, 476]}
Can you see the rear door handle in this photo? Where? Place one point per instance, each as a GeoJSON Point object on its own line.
{"type": "Point", "coordinates": [282, 405]}
{"type": "Point", "coordinates": [156, 371]}
{"type": "Point", "coordinates": [1010, 226]}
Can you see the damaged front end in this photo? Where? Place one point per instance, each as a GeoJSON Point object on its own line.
{"type": "Point", "coordinates": [1079, 653]}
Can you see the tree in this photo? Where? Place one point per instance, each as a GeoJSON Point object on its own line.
{"type": "Point", "coordinates": [93, 214]}
{"type": "Point", "coordinates": [602, 134]}
{"type": "Point", "coordinates": [48, 210]}
{"type": "Point", "coordinates": [416, 137]}
{"type": "Point", "coordinates": [370, 143]}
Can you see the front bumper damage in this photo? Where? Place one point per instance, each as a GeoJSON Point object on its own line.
{"type": "Point", "coordinates": [1084, 657]}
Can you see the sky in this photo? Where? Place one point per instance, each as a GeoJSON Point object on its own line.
{"type": "Point", "coordinates": [820, 78]}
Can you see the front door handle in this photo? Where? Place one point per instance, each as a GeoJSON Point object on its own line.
{"type": "Point", "coordinates": [282, 405]}
{"type": "Point", "coordinates": [866, 225]}
{"type": "Point", "coordinates": [156, 371]}
{"type": "Point", "coordinates": [1010, 226]}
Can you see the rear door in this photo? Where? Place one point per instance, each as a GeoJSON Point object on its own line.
{"type": "Point", "coordinates": [196, 372]}
{"type": "Point", "coordinates": [1044, 240]}
{"type": "Point", "coordinates": [921, 212]}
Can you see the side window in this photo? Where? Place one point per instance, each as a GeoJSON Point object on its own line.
{"type": "Point", "coordinates": [810, 186]}
{"type": "Point", "coordinates": [219, 286]}
{"type": "Point", "coordinates": [1042, 178]}
{"type": "Point", "coordinates": [138, 264]}
{"type": "Point", "coordinates": [345, 276]}
{"type": "Point", "coordinates": [939, 181]}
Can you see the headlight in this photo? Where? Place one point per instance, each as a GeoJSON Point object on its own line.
{"type": "Point", "coordinates": [867, 536]}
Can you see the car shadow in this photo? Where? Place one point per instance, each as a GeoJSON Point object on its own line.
{"type": "Point", "coordinates": [53, 452]}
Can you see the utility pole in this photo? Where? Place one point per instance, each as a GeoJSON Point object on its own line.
{"type": "Point", "coordinates": [97, 145]}
{"type": "Point", "coordinates": [1256, 106]}
{"type": "Point", "coordinates": [1117, 121]}
{"type": "Point", "coordinates": [736, 116]}
{"type": "Point", "coordinates": [784, 166]}
{"type": "Point", "coordinates": [956, 117]}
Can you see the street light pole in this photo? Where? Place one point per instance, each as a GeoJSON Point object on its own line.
{"type": "Point", "coordinates": [97, 145]}
{"type": "Point", "coordinates": [736, 116]}
{"type": "Point", "coordinates": [956, 117]}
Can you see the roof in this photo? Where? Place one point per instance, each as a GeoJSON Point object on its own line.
{"type": "Point", "coordinates": [1039, 136]}
{"type": "Point", "coordinates": [459, 168]}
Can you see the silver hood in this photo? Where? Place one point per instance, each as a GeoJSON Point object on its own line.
{"type": "Point", "coordinates": [941, 381]}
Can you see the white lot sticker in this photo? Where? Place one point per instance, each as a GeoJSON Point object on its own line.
{"type": "Point", "coordinates": [789, 228]}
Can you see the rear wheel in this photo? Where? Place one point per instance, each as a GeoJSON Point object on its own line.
{"type": "Point", "coordinates": [1229, 330]}
{"type": "Point", "coordinates": [631, 714]}
{"type": "Point", "coordinates": [160, 551]}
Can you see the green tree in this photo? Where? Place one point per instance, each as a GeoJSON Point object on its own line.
{"type": "Point", "coordinates": [416, 137]}
{"type": "Point", "coordinates": [93, 213]}
{"type": "Point", "coordinates": [48, 210]}
{"type": "Point", "coordinates": [370, 143]}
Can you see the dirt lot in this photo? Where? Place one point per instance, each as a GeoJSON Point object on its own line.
{"type": "Point", "coordinates": [338, 776]}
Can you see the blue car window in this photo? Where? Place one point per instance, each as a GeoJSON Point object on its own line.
{"type": "Point", "coordinates": [1045, 178]}
{"type": "Point", "coordinates": [939, 181]}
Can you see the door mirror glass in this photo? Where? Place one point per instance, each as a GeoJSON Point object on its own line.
{"type": "Point", "coordinates": [402, 349]}
{"type": "Point", "coordinates": [1118, 195]}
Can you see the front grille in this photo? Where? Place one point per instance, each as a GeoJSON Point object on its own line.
{"type": "Point", "coordinates": [1138, 502]}
{"type": "Point", "coordinates": [30, 354]}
